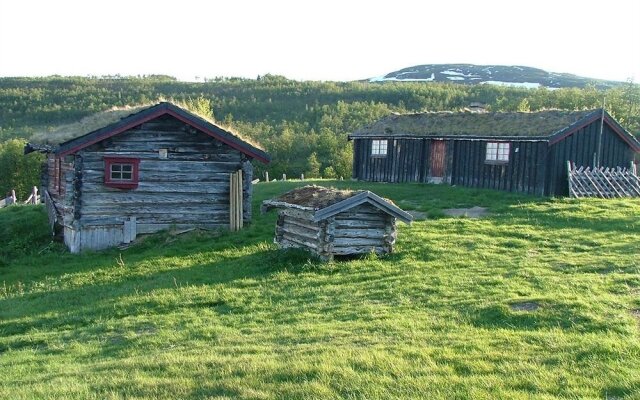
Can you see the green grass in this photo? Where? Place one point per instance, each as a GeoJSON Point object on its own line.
{"type": "Point", "coordinates": [227, 315]}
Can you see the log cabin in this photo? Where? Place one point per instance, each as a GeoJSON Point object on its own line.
{"type": "Point", "coordinates": [161, 166]}
{"type": "Point", "coordinates": [331, 222]}
{"type": "Point", "coordinates": [524, 152]}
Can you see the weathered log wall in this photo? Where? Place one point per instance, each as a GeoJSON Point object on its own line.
{"type": "Point", "coordinates": [188, 188]}
{"type": "Point", "coordinates": [360, 230]}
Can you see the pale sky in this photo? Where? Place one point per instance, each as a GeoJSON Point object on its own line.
{"type": "Point", "coordinates": [315, 40]}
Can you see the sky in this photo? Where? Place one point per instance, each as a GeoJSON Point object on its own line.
{"type": "Point", "coordinates": [328, 40]}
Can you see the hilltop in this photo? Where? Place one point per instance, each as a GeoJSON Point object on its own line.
{"type": "Point", "coordinates": [502, 75]}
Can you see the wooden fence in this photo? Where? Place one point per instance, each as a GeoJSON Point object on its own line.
{"type": "Point", "coordinates": [603, 182]}
{"type": "Point", "coordinates": [34, 198]}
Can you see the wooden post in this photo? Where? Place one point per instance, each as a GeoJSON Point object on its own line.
{"type": "Point", "coordinates": [284, 177]}
{"type": "Point", "coordinates": [13, 197]}
{"type": "Point", "coordinates": [266, 176]}
{"type": "Point", "coordinates": [34, 194]}
{"type": "Point", "coordinates": [301, 177]}
{"type": "Point", "coordinates": [235, 201]}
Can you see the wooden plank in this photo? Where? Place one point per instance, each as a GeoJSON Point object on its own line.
{"type": "Point", "coordinates": [373, 233]}
{"type": "Point", "coordinates": [288, 229]}
{"type": "Point", "coordinates": [358, 224]}
{"type": "Point", "coordinates": [160, 187]}
{"type": "Point", "coordinates": [298, 241]}
{"type": "Point", "coordinates": [357, 241]}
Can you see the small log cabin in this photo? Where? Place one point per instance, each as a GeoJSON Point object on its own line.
{"type": "Point", "coordinates": [160, 167]}
{"type": "Point", "coordinates": [517, 152]}
{"type": "Point", "coordinates": [330, 222]}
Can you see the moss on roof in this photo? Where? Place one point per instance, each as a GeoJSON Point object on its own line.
{"type": "Point", "coordinates": [541, 123]}
{"type": "Point", "coordinates": [93, 122]}
{"type": "Point", "coordinates": [86, 125]}
{"type": "Point", "coordinates": [316, 197]}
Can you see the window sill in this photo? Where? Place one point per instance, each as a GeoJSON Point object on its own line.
{"type": "Point", "coordinates": [492, 162]}
{"type": "Point", "coordinates": [122, 185]}
{"type": "Point", "coordinates": [378, 156]}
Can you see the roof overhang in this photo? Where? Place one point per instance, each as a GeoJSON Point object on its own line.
{"type": "Point", "coordinates": [362, 198]}
{"type": "Point", "coordinates": [594, 116]}
{"type": "Point", "coordinates": [497, 138]}
{"type": "Point", "coordinates": [212, 130]}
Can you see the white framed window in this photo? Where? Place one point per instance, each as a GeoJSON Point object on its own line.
{"type": "Point", "coordinates": [497, 152]}
{"type": "Point", "coordinates": [379, 148]}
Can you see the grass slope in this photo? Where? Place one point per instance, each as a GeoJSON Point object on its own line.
{"type": "Point", "coordinates": [449, 315]}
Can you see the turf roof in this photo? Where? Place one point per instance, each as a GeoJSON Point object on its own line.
{"type": "Point", "coordinates": [525, 124]}
{"type": "Point", "coordinates": [94, 122]}
{"type": "Point", "coordinates": [316, 197]}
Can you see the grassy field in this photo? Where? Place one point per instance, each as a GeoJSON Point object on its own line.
{"type": "Point", "coordinates": [539, 300]}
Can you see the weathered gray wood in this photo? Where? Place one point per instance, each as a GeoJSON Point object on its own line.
{"type": "Point", "coordinates": [160, 187]}
{"type": "Point", "coordinates": [299, 240]}
{"type": "Point", "coordinates": [602, 182]}
{"type": "Point", "coordinates": [171, 166]}
{"type": "Point", "coordinates": [300, 231]}
{"type": "Point", "coordinates": [360, 233]}
{"type": "Point", "coordinates": [303, 223]}
{"type": "Point", "coordinates": [236, 203]}
{"type": "Point", "coordinates": [247, 188]}
{"type": "Point", "coordinates": [353, 241]}
{"type": "Point", "coordinates": [146, 228]}
{"type": "Point", "coordinates": [349, 223]}
{"type": "Point", "coordinates": [349, 250]}
{"type": "Point", "coordinates": [72, 239]}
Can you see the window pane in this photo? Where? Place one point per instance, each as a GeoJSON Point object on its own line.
{"type": "Point", "coordinates": [503, 151]}
{"type": "Point", "coordinates": [126, 176]}
{"type": "Point", "coordinates": [116, 175]}
{"type": "Point", "coordinates": [491, 151]}
{"type": "Point", "coordinates": [116, 167]}
{"type": "Point", "coordinates": [127, 167]}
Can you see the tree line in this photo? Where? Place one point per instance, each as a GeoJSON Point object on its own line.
{"type": "Point", "coordinates": [303, 125]}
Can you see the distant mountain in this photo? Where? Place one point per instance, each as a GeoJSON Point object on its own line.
{"type": "Point", "coordinates": [505, 75]}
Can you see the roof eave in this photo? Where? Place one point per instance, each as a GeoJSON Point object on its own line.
{"type": "Point", "coordinates": [360, 198]}
{"type": "Point", "coordinates": [454, 137]}
{"type": "Point", "coordinates": [79, 143]}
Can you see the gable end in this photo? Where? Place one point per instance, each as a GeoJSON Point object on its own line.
{"type": "Point", "coordinates": [74, 145]}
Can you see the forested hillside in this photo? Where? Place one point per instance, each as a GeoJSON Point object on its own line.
{"type": "Point", "coordinates": [303, 125]}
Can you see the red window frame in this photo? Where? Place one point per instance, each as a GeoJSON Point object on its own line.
{"type": "Point", "coordinates": [121, 183]}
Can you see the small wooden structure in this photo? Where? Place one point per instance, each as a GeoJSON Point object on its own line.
{"type": "Point", "coordinates": [159, 167]}
{"type": "Point", "coordinates": [522, 152]}
{"type": "Point", "coordinates": [331, 222]}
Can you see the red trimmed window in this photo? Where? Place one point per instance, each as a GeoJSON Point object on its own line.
{"type": "Point", "coordinates": [497, 153]}
{"type": "Point", "coordinates": [120, 172]}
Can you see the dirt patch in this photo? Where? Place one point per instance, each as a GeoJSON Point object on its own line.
{"type": "Point", "coordinates": [525, 306]}
{"type": "Point", "coordinates": [473, 212]}
{"type": "Point", "coordinates": [636, 314]}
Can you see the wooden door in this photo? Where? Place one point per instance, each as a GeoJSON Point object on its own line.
{"type": "Point", "coordinates": [437, 158]}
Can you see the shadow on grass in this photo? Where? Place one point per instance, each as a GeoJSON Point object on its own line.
{"type": "Point", "coordinates": [549, 316]}
{"type": "Point", "coordinates": [81, 306]}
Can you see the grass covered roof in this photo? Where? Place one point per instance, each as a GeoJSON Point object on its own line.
{"type": "Point", "coordinates": [94, 122]}
{"type": "Point", "coordinates": [316, 197]}
{"type": "Point", "coordinates": [526, 124]}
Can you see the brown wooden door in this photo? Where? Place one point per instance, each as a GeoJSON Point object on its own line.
{"type": "Point", "coordinates": [436, 158]}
